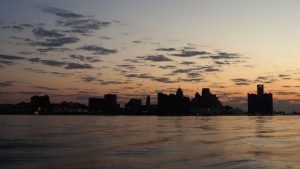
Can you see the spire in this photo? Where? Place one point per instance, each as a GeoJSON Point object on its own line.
{"type": "Point", "coordinates": [179, 92]}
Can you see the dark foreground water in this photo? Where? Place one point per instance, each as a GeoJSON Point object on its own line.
{"type": "Point", "coordinates": [117, 142]}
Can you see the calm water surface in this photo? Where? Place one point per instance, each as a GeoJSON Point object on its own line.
{"type": "Point", "coordinates": [121, 142]}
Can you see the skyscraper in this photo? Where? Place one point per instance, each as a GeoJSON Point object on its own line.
{"type": "Point", "coordinates": [260, 103]}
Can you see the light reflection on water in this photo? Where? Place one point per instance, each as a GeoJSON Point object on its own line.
{"type": "Point", "coordinates": [117, 142]}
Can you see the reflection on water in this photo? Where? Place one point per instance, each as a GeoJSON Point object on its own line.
{"type": "Point", "coordinates": [113, 142]}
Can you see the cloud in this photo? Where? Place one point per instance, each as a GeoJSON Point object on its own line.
{"type": "Point", "coordinates": [44, 88]}
{"type": "Point", "coordinates": [112, 82]}
{"type": "Point", "coordinates": [62, 13]}
{"type": "Point", "coordinates": [41, 32]}
{"type": "Point", "coordinates": [52, 63]}
{"type": "Point", "coordinates": [156, 58]}
{"type": "Point", "coordinates": [183, 70]}
{"type": "Point", "coordinates": [137, 41]}
{"type": "Point", "coordinates": [189, 53]}
{"type": "Point", "coordinates": [78, 66]}
{"type": "Point", "coordinates": [167, 67]}
{"type": "Point", "coordinates": [187, 63]}
{"type": "Point", "coordinates": [7, 62]}
{"type": "Point", "coordinates": [222, 62]}
{"type": "Point", "coordinates": [88, 79]}
{"type": "Point", "coordinates": [225, 55]}
{"type": "Point", "coordinates": [47, 62]}
{"type": "Point", "coordinates": [56, 42]}
{"type": "Point", "coordinates": [20, 38]}
{"type": "Point", "coordinates": [10, 57]}
{"type": "Point", "coordinates": [85, 58]}
{"type": "Point", "coordinates": [77, 23]}
{"type": "Point", "coordinates": [127, 66]}
{"type": "Point", "coordinates": [286, 93]}
{"type": "Point", "coordinates": [51, 49]}
{"type": "Point", "coordinates": [166, 49]}
{"type": "Point", "coordinates": [284, 76]}
{"type": "Point", "coordinates": [83, 26]}
{"type": "Point", "coordinates": [6, 84]}
{"type": "Point", "coordinates": [212, 70]}
{"type": "Point", "coordinates": [265, 79]}
{"type": "Point", "coordinates": [98, 50]}
{"type": "Point", "coordinates": [241, 81]}
{"type": "Point", "coordinates": [163, 80]}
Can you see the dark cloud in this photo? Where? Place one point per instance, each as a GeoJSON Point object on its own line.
{"type": "Point", "coordinates": [222, 62]}
{"type": "Point", "coordinates": [193, 74]}
{"type": "Point", "coordinates": [137, 41]}
{"type": "Point", "coordinates": [35, 70]}
{"type": "Point", "coordinates": [98, 50]}
{"type": "Point", "coordinates": [41, 32]}
{"type": "Point", "coordinates": [44, 88]}
{"type": "Point", "coordinates": [265, 79]}
{"type": "Point", "coordinates": [10, 57]}
{"type": "Point", "coordinates": [106, 37]}
{"type": "Point", "coordinates": [85, 58]}
{"type": "Point", "coordinates": [88, 79]}
{"type": "Point", "coordinates": [62, 13]}
{"type": "Point", "coordinates": [187, 63]}
{"type": "Point", "coordinates": [145, 76]}
{"type": "Point", "coordinates": [34, 60]}
{"type": "Point", "coordinates": [183, 70]}
{"type": "Point", "coordinates": [112, 82]}
{"type": "Point", "coordinates": [166, 49]}
{"type": "Point", "coordinates": [7, 62]}
{"type": "Point", "coordinates": [52, 63]}
{"type": "Point", "coordinates": [212, 70]}
{"type": "Point", "coordinates": [241, 81]}
{"type": "Point", "coordinates": [6, 84]}
{"type": "Point", "coordinates": [78, 66]}
{"type": "Point", "coordinates": [133, 60]}
{"type": "Point", "coordinates": [26, 25]}
{"type": "Point", "coordinates": [189, 53]}
{"type": "Point", "coordinates": [163, 80]}
{"type": "Point", "coordinates": [286, 93]}
{"type": "Point", "coordinates": [127, 66]}
{"type": "Point", "coordinates": [16, 27]}
{"type": "Point", "coordinates": [56, 42]}
{"type": "Point", "coordinates": [83, 26]}
{"type": "Point", "coordinates": [51, 49]}
{"type": "Point", "coordinates": [224, 55]}
{"type": "Point", "coordinates": [167, 67]}
{"type": "Point", "coordinates": [21, 38]}
{"type": "Point", "coordinates": [155, 58]}
{"type": "Point", "coordinates": [284, 76]}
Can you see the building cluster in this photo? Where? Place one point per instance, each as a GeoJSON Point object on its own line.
{"type": "Point", "coordinates": [176, 104]}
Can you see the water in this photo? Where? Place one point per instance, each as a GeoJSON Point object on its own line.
{"type": "Point", "coordinates": [121, 142]}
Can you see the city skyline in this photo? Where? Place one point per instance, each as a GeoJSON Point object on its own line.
{"type": "Point", "coordinates": [73, 51]}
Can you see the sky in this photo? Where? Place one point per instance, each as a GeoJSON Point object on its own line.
{"type": "Point", "coordinates": [75, 49]}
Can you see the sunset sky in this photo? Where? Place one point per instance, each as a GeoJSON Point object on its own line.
{"type": "Point", "coordinates": [75, 49]}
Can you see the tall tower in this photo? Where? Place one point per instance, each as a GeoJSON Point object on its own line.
{"type": "Point", "coordinates": [179, 93]}
{"type": "Point", "coordinates": [148, 101]}
{"type": "Point", "coordinates": [260, 89]}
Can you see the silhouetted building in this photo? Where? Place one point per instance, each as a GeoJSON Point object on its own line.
{"type": "Point", "coordinates": [260, 103]}
{"type": "Point", "coordinates": [69, 108]}
{"type": "Point", "coordinates": [148, 103]}
{"type": "Point", "coordinates": [173, 104]}
{"type": "Point", "coordinates": [40, 104]}
{"type": "Point", "coordinates": [134, 106]}
{"type": "Point", "coordinates": [96, 105]}
{"type": "Point", "coordinates": [108, 105]}
{"type": "Point", "coordinates": [207, 104]}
